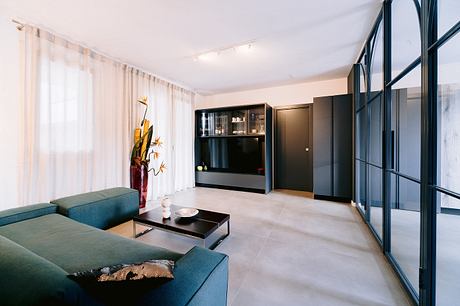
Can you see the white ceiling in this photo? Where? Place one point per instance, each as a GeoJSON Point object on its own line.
{"type": "Point", "coordinates": [295, 40]}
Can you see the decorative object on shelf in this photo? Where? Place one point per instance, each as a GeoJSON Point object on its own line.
{"type": "Point", "coordinates": [202, 167]}
{"type": "Point", "coordinates": [186, 212]}
{"type": "Point", "coordinates": [166, 206]}
{"type": "Point", "coordinates": [144, 148]}
{"type": "Point", "coordinates": [261, 171]}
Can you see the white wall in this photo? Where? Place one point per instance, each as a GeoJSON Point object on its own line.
{"type": "Point", "coordinates": [9, 101]}
{"type": "Point", "coordinates": [275, 96]}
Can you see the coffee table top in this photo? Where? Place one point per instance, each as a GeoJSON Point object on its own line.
{"type": "Point", "coordinates": [202, 225]}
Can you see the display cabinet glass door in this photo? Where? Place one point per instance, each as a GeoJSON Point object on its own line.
{"type": "Point", "coordinates": [239, 122]}
{"type": "Point", "coordinates": [257, 121]}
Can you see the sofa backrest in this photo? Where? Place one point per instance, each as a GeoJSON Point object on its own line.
{"type": "Point", "coordinates": [26, 212]}
{"type": "Point", "coordinates": [101, 209]}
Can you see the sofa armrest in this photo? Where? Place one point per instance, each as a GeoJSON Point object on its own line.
{"type": "Point", "coordinates": [200, 278]}
{"type": "Point", "coordinates": [102, 209]}
{"type": "Point", "coordinates": [26, 212]}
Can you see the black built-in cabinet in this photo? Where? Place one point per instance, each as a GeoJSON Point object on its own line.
{"type": "Point", "coordinates": [233, 148]}
{"type": "Point", "coordinates": [332, 147]}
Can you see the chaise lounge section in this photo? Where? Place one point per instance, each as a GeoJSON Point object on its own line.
{"type": "Point", "coordinates": [40, 247]}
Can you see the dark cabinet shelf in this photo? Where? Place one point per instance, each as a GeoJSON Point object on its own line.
{"type": "Point", "coordinates": [234, 136]}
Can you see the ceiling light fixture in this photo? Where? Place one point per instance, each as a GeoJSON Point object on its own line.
{"type": "Point", "coordinates": [214, 54]}
{"type": "Point", "coordinates": [244, 48]}
{"type": "Point", "coordinates": [207, 57]}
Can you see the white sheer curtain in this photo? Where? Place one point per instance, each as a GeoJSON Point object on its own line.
{"type": "Point", "coordinates": [174, 104]}
{"type": "Point", "coordinates": [78, 113]}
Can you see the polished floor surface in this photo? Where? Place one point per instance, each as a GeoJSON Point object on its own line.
{"type": "Point", "coordinates": [288, 249]}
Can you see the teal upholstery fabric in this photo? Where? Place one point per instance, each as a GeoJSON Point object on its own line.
{"type": "Point", "coordinates": [77, 247]}
{"type": "Point", "coordinates": [201, 275]}
{"type": "Point", "coordinates": [200, 278]}
{"type": "Point", "coordinates": [26, 212]}
{"type": "Point", "coordinates": [39, 247]}
{"type": "Point", "coordinates": [28, 279]}
{"type": "Point", "coordinates": [102, 209]}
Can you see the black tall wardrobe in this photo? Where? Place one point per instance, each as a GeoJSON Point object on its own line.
{"type": "Point", "coordinates": [332, 147]}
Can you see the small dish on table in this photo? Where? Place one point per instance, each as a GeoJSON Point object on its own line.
{"type": "Point", "coordinates": [186, 212]}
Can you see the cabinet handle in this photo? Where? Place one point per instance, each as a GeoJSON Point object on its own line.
{"type": "Point", "coordinates": [307, 149]}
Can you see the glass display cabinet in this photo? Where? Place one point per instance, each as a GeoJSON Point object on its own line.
{"type": "Point", "coordinates": [233, 147]}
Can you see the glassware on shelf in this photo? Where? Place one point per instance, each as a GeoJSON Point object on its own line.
{"type": "Point", "coordinates": [257, 121]}
{"type": "Point", "coordinates": [239, 122]}
{"type": "Point", "coordinates": [204, 128]}
{"type": "Point", "coordinates": [221, 128]}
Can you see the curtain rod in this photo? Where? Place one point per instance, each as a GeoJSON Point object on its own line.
{"type": "Point", "coordinates": [19, 26]}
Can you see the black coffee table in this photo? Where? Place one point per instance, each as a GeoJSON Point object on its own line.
{"type": "Point", "coordinates": [198, 227]}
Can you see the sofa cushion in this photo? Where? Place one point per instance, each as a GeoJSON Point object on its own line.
{"type": "Point", "coordinates": [102, 209]}
{"type": "Point", "coordinates": [28, 279]}
{"type": "Point", "coordinates": [74, 246]}
{"type": "Point", "coordinates": [26, 212]}
{"type": "Point", "coordinates": [150, 269]}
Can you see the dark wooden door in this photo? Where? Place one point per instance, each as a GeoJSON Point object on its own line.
{"type": "Point", "coordinates": [293, 148]}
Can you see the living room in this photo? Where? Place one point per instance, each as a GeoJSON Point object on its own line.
{"type": "Point", "coordinates": [240, 153]}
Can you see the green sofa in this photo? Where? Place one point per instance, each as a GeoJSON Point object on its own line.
{"type": "Point", "coordinates": [41, 244]}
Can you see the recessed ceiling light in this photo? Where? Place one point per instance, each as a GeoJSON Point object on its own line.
{"type": "Point", "coordinates": [206, 57]}
{"type": "Point", "coordinates": [212, 55]}
{"type": "Point", "coordinates": [245, 48]}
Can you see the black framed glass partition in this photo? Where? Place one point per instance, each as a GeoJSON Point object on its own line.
{"type": "Point", "coordinates": [448, 164]}
{"type": "Point", "coordinates": [407, 144]}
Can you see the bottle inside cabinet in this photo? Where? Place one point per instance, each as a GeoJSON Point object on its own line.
{"type": "Point", "coordinates": [257, 121]}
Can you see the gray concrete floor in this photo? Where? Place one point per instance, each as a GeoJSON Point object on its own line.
{"type": "Point", "coordinates": [288, 249]}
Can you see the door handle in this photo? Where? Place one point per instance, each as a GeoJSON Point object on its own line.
{"type": "Point", "coordinates": [307, 149]}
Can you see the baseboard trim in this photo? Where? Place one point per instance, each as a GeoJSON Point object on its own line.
{"type": "Point", "coordinates": [332, 198]}
{"type": "Point", "coordinates": [230, 188]}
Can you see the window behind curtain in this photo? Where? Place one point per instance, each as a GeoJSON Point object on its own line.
{"type": "Point", "coordinates": [66, 100]}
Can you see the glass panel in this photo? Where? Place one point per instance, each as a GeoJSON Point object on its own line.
{"type": "Point", "coordinates": [449, 116]}
{"type": "Point", "coordinates": [406, 96]}
{"type": "Point", "coordinates": [405, 35]}
{"type": "Point", "coordinates": [362, 82]}
{"type": "Point", "coordinates": [448, 253]}
{"type": "Point", "coordinates": [375, 198]}
{"type": "Point", "coordinates": [214, 124]}
{"type": "Point", "coordinates": [361, 134]}
{"type": "Point", "coordinates": [361, 184]}
{"type": "Point", "coordinates": [233, 154]}
{"type": "Point", "coordinates": [448, 15]}
{"type": "Point", "coordinates": [239, 122]}
{"type": "Point", "coordinates": [405, 226]}
{"type": "Point", "coordinates": [257, 121]}
{"type": "Point", "coordinates": [204, 124]}
{"type": "Point", "coordinates": [376, 129]}
{"type": "Point", "coordinates": [377, 61]}
{"type": "Point", "coordinates": [362, 77]}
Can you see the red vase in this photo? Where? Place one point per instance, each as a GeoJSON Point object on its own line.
{"type": "Point", "coordinates": [139, 177]}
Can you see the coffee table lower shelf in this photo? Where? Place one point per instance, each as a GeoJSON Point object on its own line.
{"type": "Point", "coordinates": [200, 228]}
